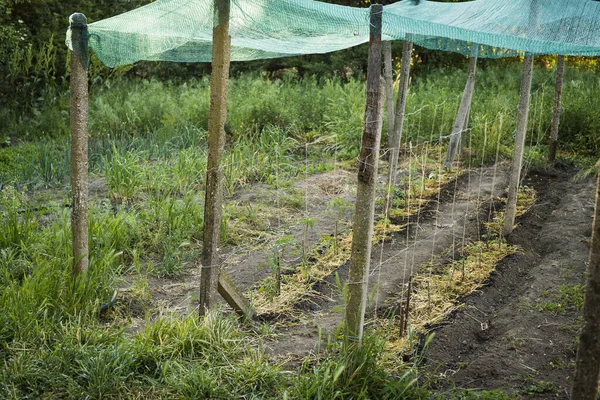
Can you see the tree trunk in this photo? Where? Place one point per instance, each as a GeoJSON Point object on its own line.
{"type": "Point", "coordinates": [587, 369]}
{"type": "Point", "coordinates": [362, 233]}
{"type": "Point", "coordinates": [211, 267]}
{"type": "Point", "coordinates": [462, 117]}
{"type": "Point", "coordinates": [388, 72]}
{"type": "Point", "coordinates": [396, 139]}
{"type": "Point", "coordinates": [79, 141]}
{"type": "Point", "coordinates": [517, 161]}
{"type": "Point", "coordinates": [560, 70]}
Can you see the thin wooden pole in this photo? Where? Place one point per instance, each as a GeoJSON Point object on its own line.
{"type": "Point", "coordinates": [388, 74]}
{"type": "Point", "coordinates": [211, 268]}
{"type": "Point", "coordinates": [396, 139]}
{"type": "Point", "coordinates": [517, 161]}
{"type": "Point", "coordinates": [362, 233]}
{"type": "Point", "coordinates": [558, 86]}
{"type": "Point", "coordinates": [587, 367]}
{"type": "Point", "coordinates": [79, 141]}
{"type": "Point", "coordinates": [462, 116]}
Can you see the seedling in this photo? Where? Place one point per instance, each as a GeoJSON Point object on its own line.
{"type": "Point", "coordinates": [308, 223]}
{"type": "Point", "coordinates": [337, 207]}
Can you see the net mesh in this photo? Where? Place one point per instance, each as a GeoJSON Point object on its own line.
{"type": "Point", "coordinates": [181, 30]}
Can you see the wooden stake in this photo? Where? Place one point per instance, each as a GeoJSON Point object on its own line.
{"type": "Point", "coordinates": [396, 139]}
{"type": "Point", "coordinates": [462, 117]}
{"type": "Point", "coordinates": [79, 141]}
{"type": "Point", "coordinates": [517, 162]}
{"type": "Point", "coordinates": [560, 70]}
{"type": "Point", "coordinates": [219, 81]}
{"type": "Point", "coordinates": [233, 296]}
{"type": "Point", "coordinates": [587, 367]}
{"type": "Point", "coordinates": [388, 74]}
{"type": "Point", "coordinates": [367, 173]}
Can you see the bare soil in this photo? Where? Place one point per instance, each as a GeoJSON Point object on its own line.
{"type": "Point", "coordinates": [529, 347]}
{"type": "Point", "coordinates": [525, 349]}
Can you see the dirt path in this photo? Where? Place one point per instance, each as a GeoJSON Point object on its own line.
{"type": "Point", "coordinates": [528, 307]}
{"type": "Point", "coordinates": [435, 232]}
{"type": "Point", "coordinates": [530, 304]}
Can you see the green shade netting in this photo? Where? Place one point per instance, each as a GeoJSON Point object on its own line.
{"type": "Point", "coordinates": [181, 30]}
{"type": "Point", "coordinates": [499, 28]}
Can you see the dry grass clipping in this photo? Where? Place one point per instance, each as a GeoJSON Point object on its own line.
{"type": "Point", "coordinates": [438, 294]}
{"type": "Point", "coordinates": [424, 185]}
{"type": "Point", "coordinates": [525, 199]}
{"type": "Point", "coordinates": [298, 286]}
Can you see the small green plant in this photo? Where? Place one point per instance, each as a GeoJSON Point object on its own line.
{"type": "Point", "coordinates": [17, 222]}
{"type": "Point", "coordinates": [278, 255]}
{"type": "Point", "coordinates": [539, 387]}
{"type": "Point", "coordinates": [337, 207]}
{"type": "Point", "coordinates": [308, 223]}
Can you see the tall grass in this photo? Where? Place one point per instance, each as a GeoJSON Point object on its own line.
{"type": "Point", "coordinates": [148, 162]}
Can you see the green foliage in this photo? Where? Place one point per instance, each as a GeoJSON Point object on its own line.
{"type": "Point", "coordinates": [17, 222]}
{"type": "Point", "coordinates": [352, 371]}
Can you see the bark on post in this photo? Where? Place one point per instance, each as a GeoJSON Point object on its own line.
{"type": "Point", "coordinates": [211, 267]}
{"type": "Point", "coordinates": [396, 139]}
{"type": "Point", "coordinates": [462, 117]}
{"type": "Point", "coordinates": [587, 368]}
{"type": "Point", "coordinates": [517, 161]}
{"type": "Point", "coordinates": [388, 74]}
{"type": "Point", "coordinates": [79, 141]}
{"type": "Point", "coordinates": [367, 174]}
{"type": "Point", "coordinates": [560, 70]}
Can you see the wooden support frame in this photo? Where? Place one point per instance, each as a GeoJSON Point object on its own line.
{"type": "Point", "coordinates": [461, 122]}
{"type": "Point", "coordinates": [558, 87]}
{"type": "Point", "coordinates": [212, 279]}
{"type": "Point", "coordinates": [517, 161]}
{"type": "Point", "coordinates": [396, 139]}
{"type": "Point", "coordinates": [79, 141]}
{"type": "Point", "coordinates": [388, 74]}
{"type": "Point", "coordinates": [362, 232]}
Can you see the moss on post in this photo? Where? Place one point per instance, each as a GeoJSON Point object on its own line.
{"type": "Point", "coordinates": [79, 141]}
{"type": "Point", "coordinates": [362, 233]}
{"type": "Point", "coordinates": [219, 81]}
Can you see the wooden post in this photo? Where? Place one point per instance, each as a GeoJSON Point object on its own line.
{"type": "Point", "coordinates": [362, 233]}
{"type": "Point", "coordinates": [79, 141]}
{"type": "Point", "coordinates": [219, 80]}
{"type": "Point", "coordinates": [388, 74]}
{"type": "Point", "coordinates": [462, 116]}
{"type": "Point", "coordinates": [396, 139]}
{"type": "Point", "coordinates": [587, 368]}
{"type": "Point", "coordinates": [517, 161]}
{"type": "Point", "coordinates": [560, 70]}
{"type": "Point", "coordinates": [522, 118]}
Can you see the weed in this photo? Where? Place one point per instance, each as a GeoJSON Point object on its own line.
{"type": "Point", "coordinates": [539, 387]}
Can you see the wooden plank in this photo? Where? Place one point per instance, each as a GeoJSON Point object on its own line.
{"type": "Point", "coordinates": [233, 296]}
{"type": "Point", "coordinates": [362, 233]}
{"type": "Point", "coordinates": [219, 82]}
{"type": "Point", "coordinates": [79, 141]}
